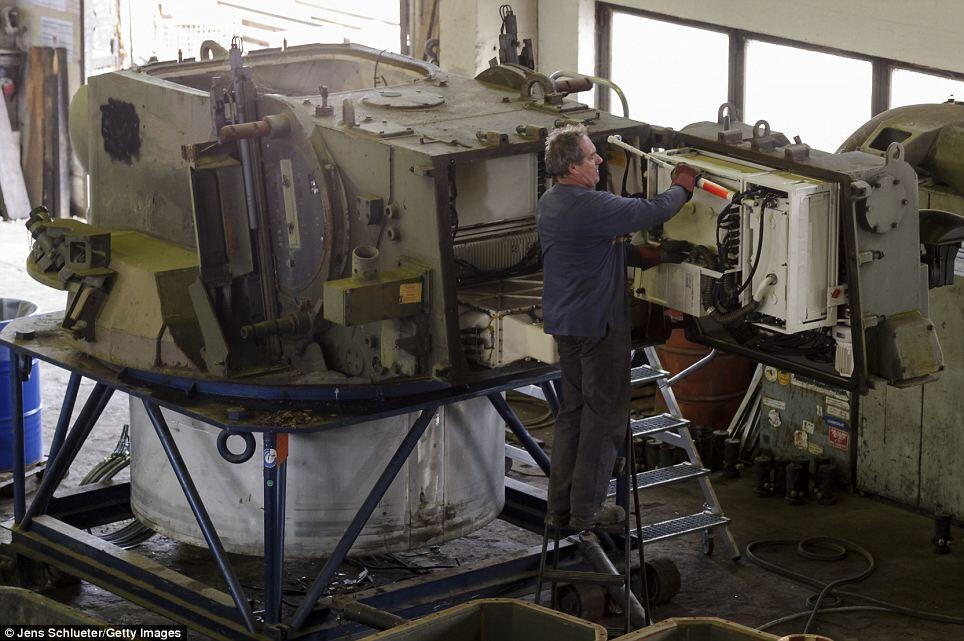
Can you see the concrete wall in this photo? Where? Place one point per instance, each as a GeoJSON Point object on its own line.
{"type": "Point", "coordinates": [469, 32]}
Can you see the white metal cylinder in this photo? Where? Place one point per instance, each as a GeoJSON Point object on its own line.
{"type": "Point", "coordinates": [451, 485]}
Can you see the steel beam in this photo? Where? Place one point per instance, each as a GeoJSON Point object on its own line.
{"type": "Point", "coordinates": [520, 431]}
{"type": "Point", "coordinates": [201, 514]}
{"type": "Point", "coordinates": [361, 517]}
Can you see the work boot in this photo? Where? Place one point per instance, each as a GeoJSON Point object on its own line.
{"type": "Point", "coordinates": [608, 514]}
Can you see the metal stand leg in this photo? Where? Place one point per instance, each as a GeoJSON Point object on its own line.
{"type": "Point", "coordinates": [361, 517]}
{"type": "Point", "coordinates": [275, 464]}
{"type": "Point", "coordinates": [200, 513]}
{"type": "Point", "coordinates": [550, 393]}
{"type": "Point", "coordinates": [502, 407]}
{"type": "Point", "coordinates": [19, 468]}
{"type": "Point", "coordinates": [66, 411]}
{"type": "Point", "coordinates": [56, 470]}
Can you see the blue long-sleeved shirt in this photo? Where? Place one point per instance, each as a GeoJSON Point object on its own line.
{"type": "Point", "coordinates": [584, 269]}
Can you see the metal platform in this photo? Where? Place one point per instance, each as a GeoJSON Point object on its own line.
{"type": "Point", "coordinates": [645, 374]}
{"type": "Point", "coordinates": [656, 424]}
{"type": "Point", "coordinates": [683, 525]}
{"type": "Point", "coordinates": [664, 476]}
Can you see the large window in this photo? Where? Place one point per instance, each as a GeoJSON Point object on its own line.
{"type": "Point", "coordinates": [821, 97]}
{"type": "Point", "coordinates": [676, 71]}
{"type": "Point", "coordinates": [666, 83]}
{"type": "Point", "coordinates": [162, 28]}
{"type": "Point", "coordinates": [912, 88]}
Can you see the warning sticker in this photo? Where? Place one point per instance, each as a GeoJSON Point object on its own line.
{"type": "Point", "coordinates": [836, 402]}
{"type": "Point", "coordinates": [410, 293]}
{"type": "Point", "coordinates": [833, 410]}
{"type": "Point", "coordinates": [838, 438]}
{"type": "Point", "coordinates": [772, 402]}
{"type": "Point", "coordinates": [808, 427]}
{"type": "Point", "coordinates": [770, 373]}
{"type": "Point", "coordinates": [784, 377]}
{"type": "Point", "coordinates": [800, 439]}
{"type": "Point", "coordinates": [815, 449]}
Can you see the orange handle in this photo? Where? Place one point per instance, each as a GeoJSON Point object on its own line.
{"type": "Point", "coordinates": [715, 189]}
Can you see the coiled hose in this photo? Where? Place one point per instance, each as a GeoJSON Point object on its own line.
{"type": "Point", "coordinates": [833, 549]}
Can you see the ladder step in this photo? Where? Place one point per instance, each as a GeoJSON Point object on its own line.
{"type": "Point", "coordinates": [645, 374]}
{"type": "Point", "coordinates": [574, 576]}
{"type": "Point", "coordinates": [654, 424]}
{"type": "Point", "coordinates": [683, 525]}
{"type": "Point", "coordinates": [664, 476]}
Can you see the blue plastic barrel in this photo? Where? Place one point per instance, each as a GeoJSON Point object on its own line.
{"type": "Point", "coordinates": [11, 308]}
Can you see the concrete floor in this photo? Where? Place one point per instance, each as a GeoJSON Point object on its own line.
{"type": "Point", "coordinates": [907, 571]}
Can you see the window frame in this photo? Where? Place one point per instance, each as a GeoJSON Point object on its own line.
{"type": "Point", "coordinates": [881, 68]}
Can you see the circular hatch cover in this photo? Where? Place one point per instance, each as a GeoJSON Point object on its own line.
{"type": "Point", "coordinates": [403, 99]}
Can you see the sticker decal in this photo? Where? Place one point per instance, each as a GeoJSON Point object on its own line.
{"type": "Point", "coordinates": [773, 417]}
{"type": "Point", "coordinates": [772, 402]}
{"type": "Point", "coordinates": [808, 427]}
{"type": "Point", "coordinates": [839, 438]}
{"type": "Point", "coordinates": [800, 439]}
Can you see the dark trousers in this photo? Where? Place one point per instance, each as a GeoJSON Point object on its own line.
{"type": "Point", "coordinates": [592, 421]}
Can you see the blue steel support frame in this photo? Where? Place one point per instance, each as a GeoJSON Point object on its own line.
{"type": "Point", "coordinates": [66, 411]}
{"type": "Point", "coordinates": [361, 517]}
{"type": "Point", "coordinates": [114, 570]}
{"type": "Point", "coordinates": [520, 431]}
{"type": "Point", "coordinates": [200, 513]}
{"type": "Point", "coordinates": [19, 468]}
{"type": "Point", "coordinates": [57, 469]}
{"type": "Point", "coordinates": [274, 464]}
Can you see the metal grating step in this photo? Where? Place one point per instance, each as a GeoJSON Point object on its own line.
{"type": "Point", "coordinates": [645, 374]}
{"type": "Point", "coordinates": [573, 576]}
{"type": "Point", "coordinates": [683, 525]}
{"type": "Point", "coordinates": [654, 424]}
{"type": "Point", "coordinates": [664, 476]}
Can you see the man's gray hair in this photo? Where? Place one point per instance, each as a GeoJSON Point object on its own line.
{"type": "Point", "coordinates": [562, 149]}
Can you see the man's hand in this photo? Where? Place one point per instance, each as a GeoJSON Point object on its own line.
{"type": "Point", "coordinates": [674, 251]}
{"type": "Point", "coordinates": [686, 177]}
{"type": "Point", "coordinates": [669, 251]}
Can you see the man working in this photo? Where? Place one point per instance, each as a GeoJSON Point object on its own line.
{"type": "Point", "coordinates": [585, 307]}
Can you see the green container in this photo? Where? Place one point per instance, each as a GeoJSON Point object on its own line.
{"type": "Point", "coordinates": [23, 607]}
{"type": "Point", "coordinates": [697, 629]}
{"type": "Point", "coordinates": [495, 620]}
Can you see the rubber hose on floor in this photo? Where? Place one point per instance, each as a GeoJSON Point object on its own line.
{"type": "Point", "coordinates": [832, 549]}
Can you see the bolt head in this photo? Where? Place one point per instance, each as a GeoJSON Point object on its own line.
{"type": "Point", "coordinates": [26, 335]}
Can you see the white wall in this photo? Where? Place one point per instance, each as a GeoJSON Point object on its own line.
{"type": "Point", "coordinates": [469, 32]}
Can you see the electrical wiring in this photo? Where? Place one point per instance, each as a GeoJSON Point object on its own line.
{"type": "Point", "coordinates": [838, 549]}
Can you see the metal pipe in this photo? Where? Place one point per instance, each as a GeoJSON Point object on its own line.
{"type": "Point", "coordinates": [598, 81]}
{"type": "Point", "coordinates": [273, 529]}
{"type": "Point", "coordinates": [502, 407]}
{"type": "Point", "coordinates": [200, 513]}
{"type": "Point", "coordinates": [56, 471]}
{"type": "Point", "coordinates": [550, 396]}
{"type": "Point", "coordinates": [692, 369]}
{"type": "Point", "coordinates": [361, 517]}
{"type": "Point", "coordinates": [593, 553]}
{"type": "Point", "coordinates": [66, 411]}
{"type": "Point", "coordinates": [19, 466]}
{"type": "Point", "coordinates": [354, 610]}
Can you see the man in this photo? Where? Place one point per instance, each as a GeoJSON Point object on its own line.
{"type": "Point", "coordinates": [585, 307]}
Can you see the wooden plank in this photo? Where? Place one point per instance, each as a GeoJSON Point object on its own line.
{"type": "Point", "coordinates": [33, 128]}
{"type": "Point", "coordinates": [16, 204]}
{"type": "Point", "coordinates": [61, 169]}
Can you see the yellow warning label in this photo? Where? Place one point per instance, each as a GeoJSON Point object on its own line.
{"type": "Point", "coordinates": [783, 378]}
{"type": "Point", "coordinates": [410, 293]}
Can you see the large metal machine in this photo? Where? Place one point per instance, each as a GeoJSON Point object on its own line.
{"type": "Point", "coordinates": [280, 238]}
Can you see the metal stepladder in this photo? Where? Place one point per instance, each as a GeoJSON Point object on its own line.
{"type": "Point", "coordinates": [670, 428]}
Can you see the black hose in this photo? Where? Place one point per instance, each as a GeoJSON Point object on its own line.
{"type": "Point", "coordinates": [838, 549]}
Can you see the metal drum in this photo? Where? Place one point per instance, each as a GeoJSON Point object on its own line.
{"type": "Point", "coordinates": [452, 484]}
{"type": "Point", "coordinates": [11, 308]}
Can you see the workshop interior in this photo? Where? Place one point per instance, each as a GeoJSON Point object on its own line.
{"type": "Point", "coordinates": [272, 343]}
